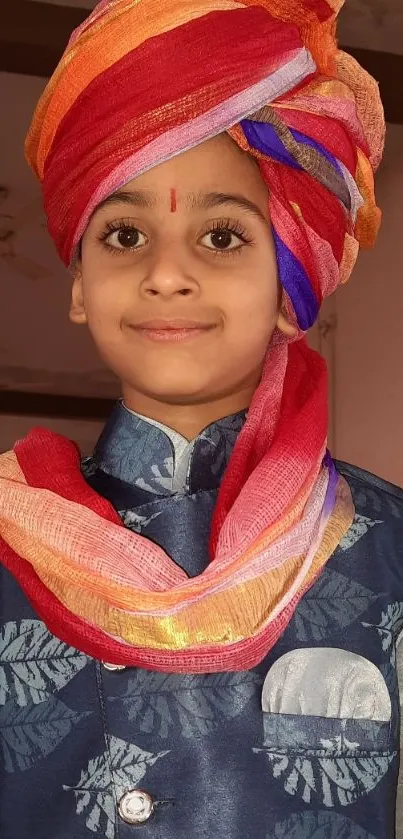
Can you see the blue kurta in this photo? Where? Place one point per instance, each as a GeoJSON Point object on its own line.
{"type": "Point", "coordinates": [304, 745]}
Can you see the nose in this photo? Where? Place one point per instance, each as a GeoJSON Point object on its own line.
{"type": "Point", "coordinates": [167, 276]}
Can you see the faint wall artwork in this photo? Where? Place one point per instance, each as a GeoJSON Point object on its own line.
{"type": "Point", "coordinates": [10, 226]}
{"type": "Point", "coordinates": [372, 24]}
{"type": "Point", "coordinates": [377, 10]}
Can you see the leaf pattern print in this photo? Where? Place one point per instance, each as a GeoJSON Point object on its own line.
{"type": "Point", "coordinates": [196, 705]}
{"type": "Point", "coordinates": [88, 466]}
{"type": "Point", "coordinates": [135, 521]}
{"type": "Point", "coordinates": [323, 736]}
{"type": "Point", "coordinates": [389, 627]}
{"type": "Point", "coordinates": [380, 502]}
{"type": "Point", "coordinates": [321, 825]}
{"type": "Point", "coordinates": [154, 458]}
{"type": "Point", "coordinates": [160, 478]}
{"type": "Point", "coordinates": [33, 663]}
{"type": "Point", "coordinates": [337, 780]}
{"type": "Point", "coordinates": [360, 526]}
{"type": "Point", "coordinates": [31, 733]}
{"type": "Point", "coordinates": [333, 603]}
{"type": "Point", "coordinates": [216, 443]}
{"type": "Point", "coordinates": [141, 452]}
{"type": "Point", "coordinates": [285, 729]}
{"type": "Point", "coordinates": [106, 778]}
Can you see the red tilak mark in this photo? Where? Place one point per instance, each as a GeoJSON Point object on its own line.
{"type": "Point", "coordinates": [173, 201]}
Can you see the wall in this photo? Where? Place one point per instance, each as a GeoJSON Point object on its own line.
{"type": "Point", "coordinates": [40, 350]}
{"type": "Point", "coordinates": [368, 372]}
{"type": "Point", "coordinates": [83, 432]}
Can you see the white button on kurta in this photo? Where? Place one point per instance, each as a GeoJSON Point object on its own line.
{"type": "Point", "coordinates": [113, 667]}
{"type": "Point", "coordinates": [136, 807]}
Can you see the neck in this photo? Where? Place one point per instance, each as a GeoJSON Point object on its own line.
{"type": "Point", "coordinates": [189, 420]}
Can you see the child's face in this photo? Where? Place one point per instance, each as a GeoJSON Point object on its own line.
{"type": "Point", "coordinates": [178, 245]}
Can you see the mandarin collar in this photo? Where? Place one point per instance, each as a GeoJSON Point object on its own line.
{"type": "Point", "coordinates": [154, 457]}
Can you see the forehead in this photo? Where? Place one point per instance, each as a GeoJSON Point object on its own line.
{"type": "Point", "coordinates": [148, 200]}
{"type": "Point", "coordinates": [215, 165]}
{"type": "Point", "coordinates": [215, 173]}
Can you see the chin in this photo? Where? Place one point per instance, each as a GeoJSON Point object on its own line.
{"type": "Point", "coordinates": [172, 392]}
{"type": "Point", "coordinates": [180, 396]}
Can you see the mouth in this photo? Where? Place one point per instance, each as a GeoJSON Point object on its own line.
{"type": "Point", "coordinates": [172, 331]}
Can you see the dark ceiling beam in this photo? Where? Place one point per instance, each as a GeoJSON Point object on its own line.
{"type": "Point", "coordinates": [51, 405]}
{"type": "Point", "coordinates": [34, 35]}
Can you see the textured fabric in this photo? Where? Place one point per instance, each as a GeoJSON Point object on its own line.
{"type": "Point", "coordinates": [268, 72]}
{"type": "Point", "coordinates": [118, 596]}
{"type": "Point", "coordinates": [272, 76]}
{"type": "Point", "coordinates": [78, 735]}
{"type": "Point", "coordinates": [399, 798]}
{"type": "Point", "coordinates": [326, 682]}
{"type": "Point", "coordinates": [135, 467]}
{"type": "Point", "coordinates": [149, 456]}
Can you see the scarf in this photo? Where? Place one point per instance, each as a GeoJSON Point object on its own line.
{"type": "Point", "coordinates": [271, 75]}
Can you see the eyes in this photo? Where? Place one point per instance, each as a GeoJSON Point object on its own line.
{"type": "Point", "coordinates": [224, 237]}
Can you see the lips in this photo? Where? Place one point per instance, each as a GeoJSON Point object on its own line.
{"type": "Point", "coordinates": [174, 325]}
{"type": "Point", "coordinates": [172, 331]}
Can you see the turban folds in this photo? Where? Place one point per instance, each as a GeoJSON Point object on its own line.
{"type": "Point", "coordinates": [140, 82]}
{"type": "Point", "coordinates": [143, 80]}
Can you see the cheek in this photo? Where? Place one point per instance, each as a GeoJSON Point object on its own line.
{"type": "Point", "coordinates": [104, 324]}
{"type": "Point", "coordinates": [252, 315]}
{"type": "Point", "coordinates": [105, 300]}
{"type": "Point", "coordinates": [254, 304]}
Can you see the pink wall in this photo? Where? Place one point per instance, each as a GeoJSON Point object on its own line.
{"type": "Point", "coordinates": [369, 338]}
{"type": "Point", "coordinates": [84, 432]}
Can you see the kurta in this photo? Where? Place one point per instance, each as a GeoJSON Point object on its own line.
{"type": "Point", "coordinates": [306, 744]}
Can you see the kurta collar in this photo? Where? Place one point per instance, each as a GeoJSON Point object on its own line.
{"type": "Point", "coordinates": [154, 457]}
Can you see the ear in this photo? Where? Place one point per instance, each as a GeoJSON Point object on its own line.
{"type": "Point", "coordinates": [284, 325]}
{"type": "Point", "coordinates": [77, 312]}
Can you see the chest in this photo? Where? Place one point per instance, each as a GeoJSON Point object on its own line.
{"type": "Point", "coordinates": [208, 749]}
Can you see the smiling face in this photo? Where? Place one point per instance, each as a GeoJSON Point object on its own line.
{"type": "Point", "coordinates": [188, 244]}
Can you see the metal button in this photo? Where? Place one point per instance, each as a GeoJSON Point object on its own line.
{"type": "Point", "coordinates": [136, 807]}
{"type": "Point", "coordinates": [113, 667]}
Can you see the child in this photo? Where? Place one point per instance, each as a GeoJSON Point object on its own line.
{"type": "Point", "coordinates": [199, 622]}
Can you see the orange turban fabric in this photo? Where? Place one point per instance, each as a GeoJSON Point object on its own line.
{"type": "Point", "coordinates": [143, 81]}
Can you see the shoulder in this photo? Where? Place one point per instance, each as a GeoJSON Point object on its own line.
{"type": "Point", "coordinates": [373, 495]}
{"type": "Point", "coordinates": [362, 481]}
{"type": "Point", "coordinates": [371, 552]}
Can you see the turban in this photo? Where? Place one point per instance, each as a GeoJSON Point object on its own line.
{"type": "Point", "coordinates": [144, 80]}
{"type": "Point", "coordinates": [140, 82]}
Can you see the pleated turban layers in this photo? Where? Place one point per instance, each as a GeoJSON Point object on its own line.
{"type": "Point", "coordinates": [141, 81]}
{"type": "Point", "coordinates": [144, 80]}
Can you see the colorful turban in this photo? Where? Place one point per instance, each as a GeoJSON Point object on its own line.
{"type": "Point", "coordinates": [143, 80]}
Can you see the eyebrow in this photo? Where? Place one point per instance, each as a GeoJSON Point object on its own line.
{"type": "Point", "coordinates": [218, 199]}
{"type": "Point", "coordinates": [200, 201]}
{"type": "Point", "coordinates": [135, 198]}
